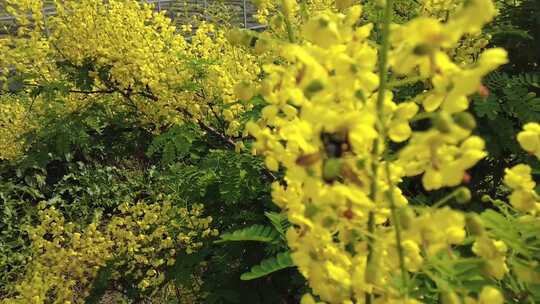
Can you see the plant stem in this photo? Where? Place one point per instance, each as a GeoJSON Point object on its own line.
{"type": "Point", "coordinates": [397, 227]}
{"type": "Point", "coordinates": [445, 199]}
{"type": "Point", "coordinates": [290, 33]}
{"type": "Point", "coordinates": [383, 83]}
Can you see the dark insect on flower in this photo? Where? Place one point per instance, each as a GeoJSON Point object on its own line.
{"type": "Point", "coordinates": [331, 170]}
{"type": "Point", "coordinates": [336, 144]}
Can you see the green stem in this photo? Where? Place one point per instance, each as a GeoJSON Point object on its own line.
{"type": "Point", "coordinates": [397, 227]}
{"type": "Point", "coordinates": [445, 199]}
{"type": "Point", "coordinates": [289, 29]}
{"type": "Point", "coordinates": [288, 25]}
{"type": "Point", "coordinates": [371, 241]}
{"type": "Point", "coordinates": [383, 85]}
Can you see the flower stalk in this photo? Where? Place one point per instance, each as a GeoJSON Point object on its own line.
{"type": "Point", "coordinates": [379, 141]}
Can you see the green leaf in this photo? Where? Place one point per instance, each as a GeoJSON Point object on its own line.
{"type": "Point", "coordinates": [279, 221]}
{"type": "Point", "coordinates": [487, 108]}
{"type": "Point", "coordinates": [506, 230]}
{"type": "Point", "coordinates": [258, 233]}
{"type": "Point", "coordinates": [280, 261]}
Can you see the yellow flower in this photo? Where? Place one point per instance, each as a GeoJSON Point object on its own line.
{"type": "Point", "coordinates": [519, 177]}
{"type": "Point", "coordinates": [523, 197]}
{"type": "Point", "coordinates": [307, 299]}
{"type": "Point", "coordinates": [441, 157]}
{"type": "Point", "coordinates": [399, 129]}
{"type": "Point", "coordinates": [529, 138]}
{"type": "Point", "coordinates": [494, 254]}
{"type": "Point", "coordinates": [322, 30]}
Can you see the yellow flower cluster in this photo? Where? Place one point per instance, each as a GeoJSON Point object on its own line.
{"type": "Point", "coordinates": [442, 154]}
{"type": "Point", "coordinates": [65, 260]}
{"type": "Point", "coordinates": [282, 15]}
{"type": "Point", "coordinates": [494, 254]}
{"type": "Point", "coordinates": [449, 231]}
{"type": "Point", "coordinates": [523, 196]}
{"type": "Point", "coordinates": [421, 43]}
{"type": "Point", "coordinates": [227, 66]}
{"type": "Point", "coordinates": [518, 178]}
{"type": "Point", "coordinates": [140, 241]}
{"type": "Point", "coordinates": [439, 9]}
{"type": "Point", "coordinates": [529, 139]}
{"type": "Point", "coordinates": [326, 126]}
{"type": "Point", "coordinates": [26, 51]}
{"type": "Point", "coordinates": [464, 52]}
{"type": "Point", "coordinates": [148, 236]}
{"type": "Point", "coordinates": [139, 46]}
{"type": "Point", "coordinates": [126, 50]}
{"type": "Point", "coordinates": [14, 122]}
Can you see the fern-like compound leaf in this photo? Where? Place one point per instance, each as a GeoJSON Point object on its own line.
{"type": "Point", "coordinates": [279, 221]}
{"type": "Point", "coordinates": [260, 233]}
{"type": "Point", "coordinates": [280, 261]}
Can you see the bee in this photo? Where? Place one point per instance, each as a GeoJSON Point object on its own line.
{"type": "Point", "coordinates": [336, 144]}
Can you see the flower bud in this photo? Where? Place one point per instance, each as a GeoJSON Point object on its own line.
{"type": "Point", "coordinates": [465, 120]}
{"type": "Point", "coordinates": [490, 295]}
{"type": "Point", "coordinates": [359, 94]}
{"type": "Point", "coordinates": [483, 91]}
{"type": "Point", "coordinates": [450, 297]}
{"type": "Point", "coordinates": [442, 123]}
{"type": "Point", "coordinates": [463, 195]}
{"type": "Point", "coordinates": [474, 224]}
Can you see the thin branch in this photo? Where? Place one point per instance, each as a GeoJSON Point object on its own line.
{"type": "Point", "coordinates": [93, 92]}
